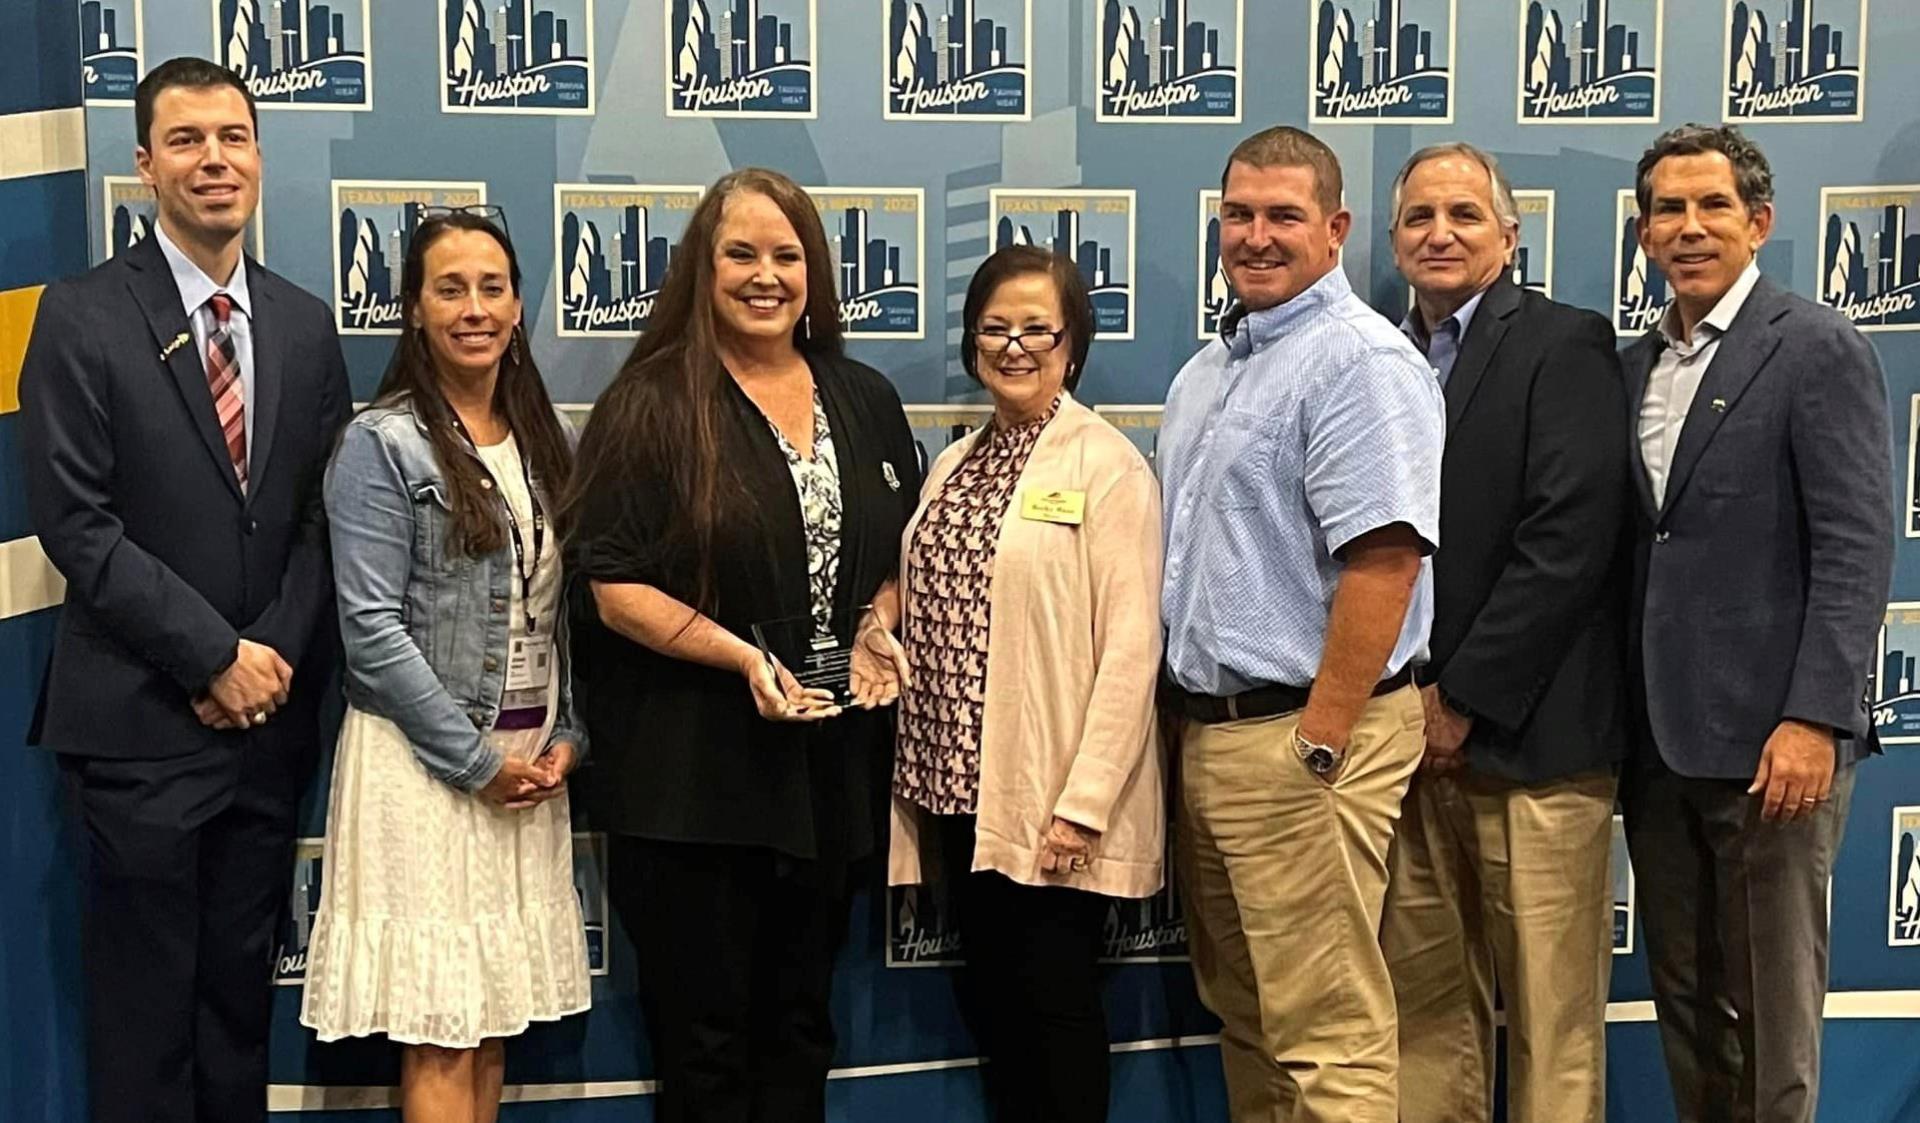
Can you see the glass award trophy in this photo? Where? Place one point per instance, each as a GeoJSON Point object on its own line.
{"type": "Point", "coordinates": [817, 660]}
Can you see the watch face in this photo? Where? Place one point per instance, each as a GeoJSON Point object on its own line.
{"type": "Point", "coordinates": [1321, 761]}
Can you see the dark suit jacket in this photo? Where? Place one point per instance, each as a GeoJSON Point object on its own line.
{"type": "Point", "coordinates": [132, 494]}
{"type": "Point", "coordinates": [1530, 579]}
{"type": "Point", "coordinates": [1760, 586]}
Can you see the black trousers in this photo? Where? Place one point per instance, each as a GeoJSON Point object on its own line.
{"type": "Point", "coordinates": [735, 948]}
{"type": "Point", "coordinates": [187, 864]}
{"type": "Point", "coordinates": [1031, 987]}
{"type": "Point", "coordinates": [1735, 910]}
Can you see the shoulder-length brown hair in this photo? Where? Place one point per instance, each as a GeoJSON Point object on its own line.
{"type": "Point", "coordinates": [518, 393]}
{"type": "Point", "coordinates": [663, 417]}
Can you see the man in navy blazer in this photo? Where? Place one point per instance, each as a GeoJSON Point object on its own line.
{"type": "Point", "coordinates": [1764, 551]}
{"type": "Point", "coordinates": [178, 406]}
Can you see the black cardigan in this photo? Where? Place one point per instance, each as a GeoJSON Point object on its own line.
{"type": "Point", "coordinates": [679, 752]}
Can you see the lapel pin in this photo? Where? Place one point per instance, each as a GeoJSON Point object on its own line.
{"type": "Point", "coordinates": [179, 341]}
{"type": "Point", "coordinates": [1719, 405]}
{"type": "Point", "coordinates": [886, 471]}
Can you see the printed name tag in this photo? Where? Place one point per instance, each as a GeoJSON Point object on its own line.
{"type": "Point", "coordinates": [1067, 507]}
{"type": "Point", "coordinates": [529, 672]}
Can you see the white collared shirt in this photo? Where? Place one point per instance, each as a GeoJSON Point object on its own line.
{"type": "Point", "coordinates": [1676, 375]}
{"type": "Point", "coordinates": [195, 289]}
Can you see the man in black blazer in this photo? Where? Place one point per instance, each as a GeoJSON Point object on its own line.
{"type": "Point", "coordinates": [1765, 543]}
{"type": "Point", "coordinates": [178, 406]}
{"type": "Point", "coordinates": [1499, 872]}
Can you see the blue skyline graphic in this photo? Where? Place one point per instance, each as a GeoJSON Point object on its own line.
{"type": "Point", "coordinates": [1580, 62]}
{"type": "Point", "coordinates": [518, 54]}
{"type": "Point", "coordinates": [1795, 65]}
{"type": "Point", "coordinates": [956, 63]}
{"type": "Point", "coordinates": [109, 50]}
{"type": "Point", "coordinates": [1216, 291]}
{"type": "Point", "coordinates": [1642, 295]}
{"type": "Point", "coordinates": [1873, 278]}
{"type": "Point", "coordinates": [1167, 64]}
{"type": "Point", "coordinates": [1380, 64]}
{"type": "Point", "coordinates": [608, 283]}
{"type": "Point", "coordinates": [1903, 903]}
{"type": "Point", "coordinates": [1892, 689]}
{"type": "Point", "coordinates": [295, 52]}
{"type": "Point", "coordinates": [369, 284]}
{"type": "Point", "coordinates": [879, 286]}
{"type": "Point", "coordinates": [738, 61]}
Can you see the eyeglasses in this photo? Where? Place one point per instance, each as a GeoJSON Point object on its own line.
{"type": "Point", "coordinates": [1033, 341]}
{"type": "Point", "coordinates": [491, 212]}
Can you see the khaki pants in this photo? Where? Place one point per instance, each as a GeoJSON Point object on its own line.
{"type": "Point", "coordinates": [1283, 878]}
{"type": "Point", "coordinates": [1499, 881]}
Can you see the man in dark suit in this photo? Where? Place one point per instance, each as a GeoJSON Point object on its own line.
{"type": "Point", "coordinates": [178, 406]}
{"type": "Point", "coordinates": [1764, 549]}
{"type": "Point", "coordinates": [1499, 873]}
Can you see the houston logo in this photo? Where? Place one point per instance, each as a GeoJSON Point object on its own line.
{"type": "Point", "coordinates": [1592, 61]}
{"type": "Point", "coordinates": [1786, 61]}
{"type": "Point", "coordinates": [1388, 60]}
{"type": "Point", "coordinates": [1170, 60]}
{"type": "Point", "coordinates": [520, 56]}
{"type": "Point", "coordinates": [298, 53]}
{"type": "Point", "coordinates": [740, 58]}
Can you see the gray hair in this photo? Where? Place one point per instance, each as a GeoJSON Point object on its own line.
{"type": "Point", "coordinates": [1503, 205]}
{"type": "Point", "coordinates": [1751, 173]}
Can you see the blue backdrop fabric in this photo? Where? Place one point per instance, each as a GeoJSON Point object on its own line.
{"type": "Point", "coordinates": [932, 132]}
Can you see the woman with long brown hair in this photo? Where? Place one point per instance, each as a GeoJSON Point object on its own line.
{"type": "Point", "coordinates": [448, 919]}
{"type": "Point", "coordinates": [739, 498]}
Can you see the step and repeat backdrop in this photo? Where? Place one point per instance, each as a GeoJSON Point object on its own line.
{"type": "Point", "coordinates": [932, 132]}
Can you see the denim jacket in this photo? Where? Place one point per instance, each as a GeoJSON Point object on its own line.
{"type": "Point", "coordinates": [425, 633]}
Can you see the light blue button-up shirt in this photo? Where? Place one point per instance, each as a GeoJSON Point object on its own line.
{"type": "Point", "coordinates": [1442, 346]}
{"type": "Point", "coordinates": [1301, 429]}
{"type": "Point", "coordinates": [196, 288]}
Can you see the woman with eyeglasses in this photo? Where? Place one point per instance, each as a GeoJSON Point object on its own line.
{"type": "Point", "coordinates": [448, 919]}
{"type": "Point", "coordinates": [1027, 776]}
{"type": "Point", "coordinates": [741, 489]}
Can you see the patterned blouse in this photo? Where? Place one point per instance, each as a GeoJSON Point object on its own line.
{"type": "Point", "coordinates": [950, 560]}
{"type": "Point", "coordinates": [818, 483]}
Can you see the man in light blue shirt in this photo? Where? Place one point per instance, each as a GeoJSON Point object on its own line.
{"type": "Point", "coordinates": [1300, 457]}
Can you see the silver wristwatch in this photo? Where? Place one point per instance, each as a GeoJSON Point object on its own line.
{"type": "Point", "coordinates": [1324, 760]}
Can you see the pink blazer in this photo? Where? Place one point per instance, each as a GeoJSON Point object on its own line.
{"type": "Point", "coordinates": [1073, 654]}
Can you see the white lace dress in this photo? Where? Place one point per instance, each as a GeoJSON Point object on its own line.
{"type": "Point", "coordinates": [445, 919]}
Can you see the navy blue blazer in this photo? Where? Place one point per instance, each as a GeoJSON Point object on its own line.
{"type": "Point", "coordinates": [129, 486]}
{"type": "Point", "coordinates": [1759, 588]}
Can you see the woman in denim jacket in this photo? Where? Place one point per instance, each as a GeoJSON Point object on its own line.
{"type": "Point", "coordinates": [448, 919]}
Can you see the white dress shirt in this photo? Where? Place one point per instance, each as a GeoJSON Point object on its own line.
{"type": "Point", "coordinates": [195, 289]}
{"type": "Point", "coordinates": [1676, 375]}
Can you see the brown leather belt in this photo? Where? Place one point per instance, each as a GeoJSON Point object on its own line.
{"type": "Point", "coordinates": [1261, 701]}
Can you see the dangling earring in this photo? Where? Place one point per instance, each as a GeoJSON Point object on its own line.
{"type": "Point", "coordinates": [513, 346]}
{"type": "Point", "coordinates": [806, 327]}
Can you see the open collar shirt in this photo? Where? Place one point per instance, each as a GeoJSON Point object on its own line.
{"type": "Point", "coordinates": [1675, 378]}
{"type": "Point", "coordinates": [1302, 428]}
{"type": "Point", "coordinates": [1442, 345]}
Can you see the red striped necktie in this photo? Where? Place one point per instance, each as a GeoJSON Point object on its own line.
{"type": "Point", "coordinates": [223, 378]}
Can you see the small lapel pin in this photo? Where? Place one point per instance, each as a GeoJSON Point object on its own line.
{"type": "Point", "coordinates": [886, 471]}
{"type": "Point", "coordinates": [179, 341]}
{"type": "Point", "coordinates": [1719, 405]}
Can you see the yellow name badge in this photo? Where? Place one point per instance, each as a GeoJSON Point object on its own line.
{"type": "Point", "coordinates": [1066, 507]}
